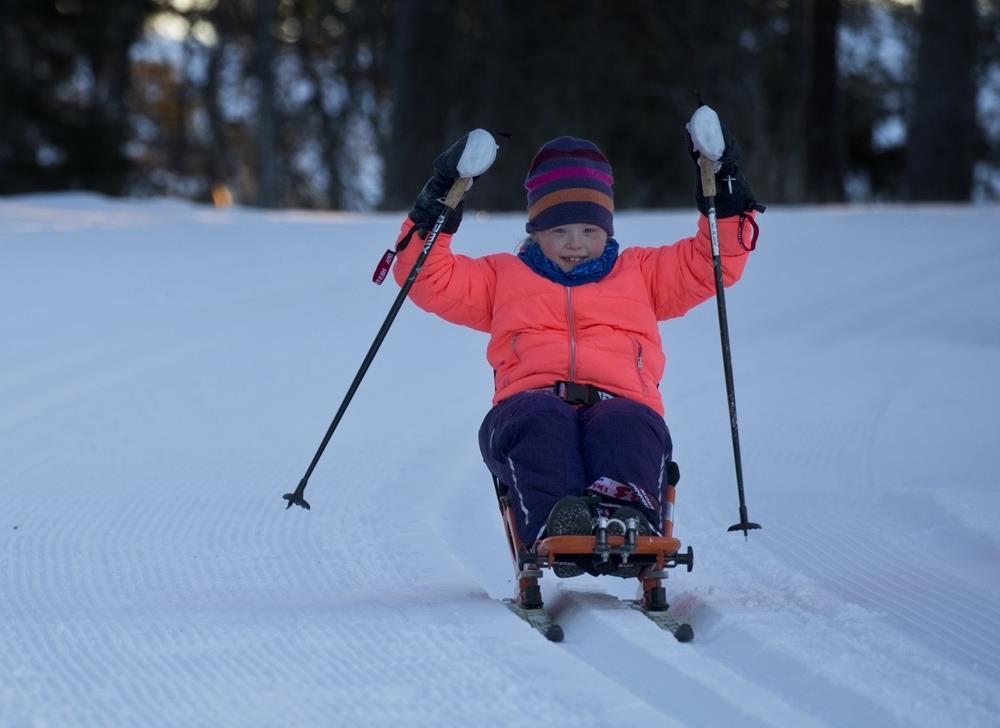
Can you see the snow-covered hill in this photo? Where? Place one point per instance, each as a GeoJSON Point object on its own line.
{"type": "Point", "coordinates": [167, 371]}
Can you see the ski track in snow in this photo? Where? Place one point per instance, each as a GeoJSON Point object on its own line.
{"type": "Point", "coordinates": [170, 370]}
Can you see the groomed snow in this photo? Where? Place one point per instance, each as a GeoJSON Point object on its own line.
{"type": "Point", "coordinates": [167, 372]}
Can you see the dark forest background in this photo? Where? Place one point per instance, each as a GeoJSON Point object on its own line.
{"type": "Point", "coordinates": [342, 104]}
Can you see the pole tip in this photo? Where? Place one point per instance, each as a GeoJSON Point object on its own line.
{"type": "Point", "coordinates": [294, 499]}
{"type": "Point", "coordinates": [746, 527]}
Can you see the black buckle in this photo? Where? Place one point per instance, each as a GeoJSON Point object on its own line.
{"type": "Point", "coordinates": [576, 393]}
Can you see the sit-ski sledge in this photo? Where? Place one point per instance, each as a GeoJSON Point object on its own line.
{"type": "Point", "coordinates": [646, 558]}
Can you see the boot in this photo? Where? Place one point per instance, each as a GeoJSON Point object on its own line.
{"type": "Point", "coordinates": [570, 516]}
{"type": "Point", "coordinates": [623, 514]}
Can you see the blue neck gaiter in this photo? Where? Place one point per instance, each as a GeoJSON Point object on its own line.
{"type": "Point", "coordinates": [586, 272]}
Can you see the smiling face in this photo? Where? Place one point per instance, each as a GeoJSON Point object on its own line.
{"type": "Point", "coordinates": [569, 245]}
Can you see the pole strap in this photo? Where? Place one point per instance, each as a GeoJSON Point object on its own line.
{"type": "Point", "coordinates": [739, 232]}
{"type": "Point", "coordinates": [385, 264]}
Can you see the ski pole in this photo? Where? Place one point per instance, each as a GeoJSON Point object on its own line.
{"type": "Point", "coordinates": [451, 201]}
{"type": "Point", "coordinates": [708, 188]}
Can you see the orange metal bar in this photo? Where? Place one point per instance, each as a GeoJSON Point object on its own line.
{"type": "Point", "coordinates": [514, 541]}
{"type": "Point", "coordinates": [668, 521]}
{"type": "Point", "coordinates": [583, 545]}
{"type": "Point", "coordinates": [648, 584]}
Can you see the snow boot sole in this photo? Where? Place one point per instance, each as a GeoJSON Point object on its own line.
{"type": "Point", "coordinates": [570, 516]}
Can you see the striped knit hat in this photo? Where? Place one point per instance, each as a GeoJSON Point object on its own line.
{"type": "Point", "coordinates": [569, 181]}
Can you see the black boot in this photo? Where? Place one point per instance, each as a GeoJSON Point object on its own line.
{"type": "Point", "coordinates": [570, 516]}
{"type": "Point", "coordinates": [624, 513]}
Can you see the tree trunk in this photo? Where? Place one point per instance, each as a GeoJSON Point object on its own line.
{"type": "Point", "coordinates": [267, 113]}
{"type": "Point", "coordinates": [219, 168]}
{"type": "Point", "coordinates": [942, 135]}
{"type": "Point", "coordinates": [421, 72]}
{"type": "Point", "coordinates": [100, 162]}
{"type": "Point", "coordinates": [824, 139]}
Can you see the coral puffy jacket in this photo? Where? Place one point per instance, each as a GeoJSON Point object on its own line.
{"type": "Point", "coordinates": [602, 333]}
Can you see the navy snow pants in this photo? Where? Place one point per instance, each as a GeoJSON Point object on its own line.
{"type": "Point", "coordinates": [543, 448]}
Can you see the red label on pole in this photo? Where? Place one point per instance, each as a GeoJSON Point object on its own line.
{"type": "Point", "coordinates": [382, 270]}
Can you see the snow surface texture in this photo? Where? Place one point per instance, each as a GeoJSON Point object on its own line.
{"type": "Point", "coordinates": [167, 372]}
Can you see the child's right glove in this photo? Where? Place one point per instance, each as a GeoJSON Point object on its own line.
{"type": "Point", "coordinates": [469, 157]}
{"type": "Point", "coordinates": [708, 137]}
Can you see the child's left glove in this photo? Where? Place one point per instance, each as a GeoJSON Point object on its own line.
{"type": "Point", "coordinates": [708, 138]}
{"type": "Point", "coordinates": [469, 157]}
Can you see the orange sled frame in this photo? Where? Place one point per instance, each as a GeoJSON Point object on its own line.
{"type": "Point", "coordinates": [653, 555]}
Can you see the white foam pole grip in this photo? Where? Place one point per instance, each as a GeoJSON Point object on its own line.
{"type": "Point", "coordinates": [479, 154]}
{"type": "Point", "coordinates": [706, 133]}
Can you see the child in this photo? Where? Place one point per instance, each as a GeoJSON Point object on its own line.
{"type": "Point", "coordinates": [577, 425]}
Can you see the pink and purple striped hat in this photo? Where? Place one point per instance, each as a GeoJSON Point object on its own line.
{"type": "Point", "coordinates": [569, 181]}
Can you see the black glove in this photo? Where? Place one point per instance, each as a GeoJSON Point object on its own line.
{"type": "Point", "coordinates": [430, 202]}
{"type": "Point", "coordinates": [733, 195]}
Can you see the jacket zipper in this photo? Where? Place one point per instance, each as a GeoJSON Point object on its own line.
{"type": "Point", "coordinates": [572, 333]}
{"type": "Point", "coordinates": [638, 363]}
